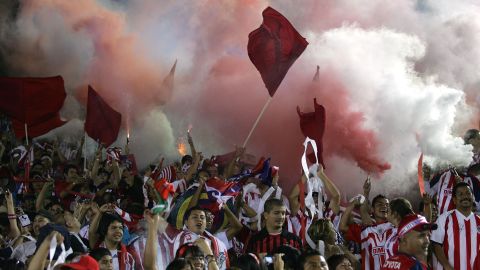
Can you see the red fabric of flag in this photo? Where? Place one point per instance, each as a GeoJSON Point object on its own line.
{"type": "Point", "coordinates": [103, 122]}
{"type": "Point", "coordinates": [421, 185]}
{"type": "Point", "coordinates": [38, 129]}
{"type": "Point", "coordinates": [32, 101]}
{"type": "Point", "coordinates": [168, 84]}
{"type": "Point", "coordinates": [312, 125]}
{"type": "Point", "coordinates": [274, 47]}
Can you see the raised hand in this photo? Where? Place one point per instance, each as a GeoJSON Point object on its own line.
{"type": "Point", "coordinates": [367, 186]}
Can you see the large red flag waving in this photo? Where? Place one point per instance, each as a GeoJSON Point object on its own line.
{"type": "Point", "coordinates": [274, 47]}
{"type": "Point", "coordinates": [34, 102]}
{"type": "Point", "coordinates": [312, 125]}
{"type": "Point", "coordinates": [103, 122]}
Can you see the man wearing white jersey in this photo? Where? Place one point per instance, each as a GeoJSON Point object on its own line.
{"type": "Point", "coordinates": [373, 238]}
{"type": "Point", "coordinates": [457, 239]}
{"type": "Point", "coordinates": [195, 224]}
{"type": "Point", "coordinates": [441, 186]}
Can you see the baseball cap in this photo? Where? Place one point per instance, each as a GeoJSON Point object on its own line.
{"type": "Point", "coordinates": [84, 262]}
{"type": "Point", "coordinates": [414, 222]}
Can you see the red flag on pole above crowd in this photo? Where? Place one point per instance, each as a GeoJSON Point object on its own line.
{"type": "Point", "coordinates": [168, 82]}
{"type": "Point", "coordinates": [312, 125]}
{"type": "Point", "coordinates": [102, 122]}
{"type": "Point", "coordinates": [274, 47]}
{"type": "Point", "coordinates": [34, 102]}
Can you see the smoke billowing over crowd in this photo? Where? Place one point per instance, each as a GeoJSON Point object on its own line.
{"type": "Point", "coordinates": [397, 78]}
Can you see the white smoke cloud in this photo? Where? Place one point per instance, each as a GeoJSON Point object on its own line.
{"type": "Point", "coordinates": [377, 68]}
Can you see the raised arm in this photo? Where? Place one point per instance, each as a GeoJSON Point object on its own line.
{"type": "Point", "coordinates": [332, 189]}
{"type": "Point", "coordinates": [343, 226]}
{"type": "Point", "coordinates": [365, 214]}
{"type": "Point", "coordinates": [116, 173]}
{"type": "Point", "coordinates": [39, 259]}
{"type": "Point", "coordinates": [47, 187]}
{"type": "Point", "coordinates": [239, 151]}
{"type": "Point", "coordinates": [192, 146]}
{"type": "Point", "coordinates": [12, 217]}
{"type": "Point", "coordinates": [196, 196]}
{"type": "Point", "coordinates": [97, 215]}
{"type": "Point", "coordinates": [293, 198]}
{"type": "Point", "coordinates": [235, 225]}
{"type": "Point", "coordinates": [367, 186]}
{"type": "Point", "coordinates": [208, 253]}
{"type": "Point", "coordinates": [150, 255]}
{"type": "Point", "coordinates": [193, 169]}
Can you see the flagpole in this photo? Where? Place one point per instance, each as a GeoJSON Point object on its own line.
{"type": "Point", "coordinates": [256, 121]}
{"type": "Point", "coordinates": [85, 152]}
{"type": "Point", "coordinates": [26, 133]}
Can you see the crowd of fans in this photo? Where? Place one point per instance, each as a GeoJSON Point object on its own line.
{"type": "Point", "coordinates": [58, 211]}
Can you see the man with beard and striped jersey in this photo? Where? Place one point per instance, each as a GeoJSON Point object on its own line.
{"type": "Point", "coordinates": [457, 239]}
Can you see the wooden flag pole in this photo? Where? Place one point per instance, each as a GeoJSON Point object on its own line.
{"type": "Point", "coordinates": [256, 121]}
{"type": "Point", "coordinates": [26, 133]}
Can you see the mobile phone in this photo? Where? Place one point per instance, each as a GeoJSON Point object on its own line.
{"type": "Point", "coordinates": [24, 220]}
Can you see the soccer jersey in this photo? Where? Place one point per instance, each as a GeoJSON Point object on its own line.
{"type": "Point", "coordinates": [460, 237]}
{"type": "Point", "coordinates": [403, 262]}
{"type": "Point", "coordinates": [373, 240]}
{"type": "Point", "coordinates": [442, 186]}
{"type": "Point", "coordinates": [264, 242]}
{"type": "Point", "coordinates": [164, 246]}
{"type": "Point", "coordinates": [218, 247]}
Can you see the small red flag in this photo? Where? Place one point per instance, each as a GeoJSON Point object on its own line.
{"type": "Point", "coordinates": [421, 184]}
{"type": "Point", "coordinates": [102, 122]}
{"type": "Point", "coordinates": [32, 101]}
{"type": "Point", "coordinates": [312, 125]}
{"type": "Point", "coordinates": [274, 47]}
{"type": "Point", "coordinates": [168, 82]}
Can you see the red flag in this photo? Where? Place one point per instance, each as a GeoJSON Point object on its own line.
{"type": "Point", "coordinates": [103, 122]}
{"type": "Point", "coordinates": [32, 101]}
{"type": "Point", "coordinates": [168, 81]}
{"type": "Point", "coordinates": [421, 184]}
{"type": "Point", "coordinates": [274, 47]}
{"type": "Point", "coordinates": [312, 125]}
{"type": "Point", "coordinates": [39, 129]}
{"type": "Point", "coordinates": [224, 159]}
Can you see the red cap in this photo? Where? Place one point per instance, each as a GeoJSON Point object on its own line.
{"type": "Point", "coordinates": [414, 222]}
{"type": "Point", "coordinates": [84, 263]}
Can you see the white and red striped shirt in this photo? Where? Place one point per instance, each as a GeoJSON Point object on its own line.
{"type": "Point", "coordinates": [442, 186]}
{"type": "Point", "coordinates": [373, 240]}
{"type": "Point", "coordinates": [164, 246]}
{"type": "Point", "coordinates": [460, 237]}
{"type": "Point", "coordinates": [218, 247]}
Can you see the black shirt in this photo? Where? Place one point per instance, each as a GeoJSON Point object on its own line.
{"type": "Point", "coordinates": [263, 242]}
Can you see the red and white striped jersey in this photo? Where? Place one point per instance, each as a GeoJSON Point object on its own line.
{"type": "Point", "coordinates": [391, 245]}
{"type": "Point", "coordinates": [442, 186]}
{"type": "Point", "coordinates": [373, 240]}
{"type": "Point", "coordinates": [460, 237]}
{"type": "Point", "coordinates": [179, 185]}
{"type": "Point", "coordinates": [218, 247]}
